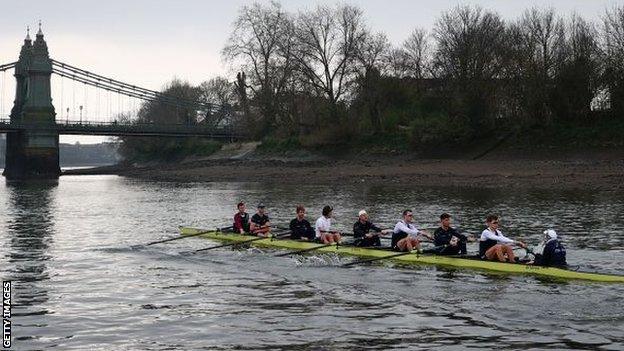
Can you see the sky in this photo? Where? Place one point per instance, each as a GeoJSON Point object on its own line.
{"type": "Point", "coordinates": [150, 42]}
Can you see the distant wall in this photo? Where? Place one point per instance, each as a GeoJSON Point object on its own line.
{"type": "Point", "coordinates": [78, 154]}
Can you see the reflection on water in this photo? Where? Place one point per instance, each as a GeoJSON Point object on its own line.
{"type": "Point", "coordinates": [80, 285]}
{"type": "Point", "coordinates": [30, 232]}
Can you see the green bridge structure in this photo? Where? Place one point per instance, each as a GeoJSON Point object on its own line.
{"type": "Point", "coordinates": [32, 130]}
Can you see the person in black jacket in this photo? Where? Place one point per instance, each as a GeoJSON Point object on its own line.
{"type": "Point", "coordinates": [300, 228]}
{"type": "Point", "coordinates": [448, 240]}
{"type": "Point", "coordinates": [260, 223]}
{"type": "Point", "coordinates": [554, 254]}
{"type": "Point", "coordinates": [362, 231]}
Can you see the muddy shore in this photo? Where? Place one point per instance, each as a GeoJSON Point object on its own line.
{"type": "Point", "coordinates": [590, 171]}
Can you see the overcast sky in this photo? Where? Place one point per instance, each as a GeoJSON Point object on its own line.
{"type": "Point", "coordinates": [149, 42]}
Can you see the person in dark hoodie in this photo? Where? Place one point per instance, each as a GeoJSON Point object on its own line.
{"type": "Point", "coordinates": [366, 233]}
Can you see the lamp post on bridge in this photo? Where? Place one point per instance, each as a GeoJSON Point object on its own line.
{"type": "Point", "coordinates": [80, 114]}
{"type": "Point", "coordinates": [67, 117]}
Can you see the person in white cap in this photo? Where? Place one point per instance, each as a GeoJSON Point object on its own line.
{"type": "Point", "coordinates": [554, 254]}
{"type": "Point", "coordinates": [362, 231]}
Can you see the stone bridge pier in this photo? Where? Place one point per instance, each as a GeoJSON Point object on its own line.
{"type": "Point", "coordinates": [33, 153]}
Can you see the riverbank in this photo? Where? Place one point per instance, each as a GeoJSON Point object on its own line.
{"type": "Point", "coordinates": [600, 169]}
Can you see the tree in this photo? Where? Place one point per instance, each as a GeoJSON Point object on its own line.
{"type": "Point", "coordinates": [578, 69]}
{"type": "Point", "coordinates": [261, 43]}
{"type": "Point", "coordinates": [221, 94]}
{"type": "Point", "coordinates": [417, 53]}
{"type": "Point", "coordinates": [468, 56]}
{"type": "Point", "coordinates": [328, 40]}
{"type": "Point", "coordinates": [163, 112]}
{"type": "Point", "coordinates": [371, 57]}
{"type": "Point", "coordinates": [613, 43]}
{"type": "Point", "coordinates": [531, 63]}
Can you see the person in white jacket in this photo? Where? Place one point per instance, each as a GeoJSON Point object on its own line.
{"type": "Point", "coordinates": [405, 234]}
{"type": "Point", "coordinates": [323, 228]}
{"type": "Point", "coordinates": [493, 245]}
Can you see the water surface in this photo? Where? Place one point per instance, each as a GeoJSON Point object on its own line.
{"type": "Point", "coordinates": [80, 284]}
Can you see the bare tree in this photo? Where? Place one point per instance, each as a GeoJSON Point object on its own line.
{"type": "Point", "coordinates": [262, 44]}
{"type": "Point", "coordinates": [535, 44]}
{"type": "Point", "coordinates": [397, 63]}
{"type": "Point", "coordinates": [469, 54]}
{"type": "Point", "coordinates": [613, 43]}
{"type": "Point", "coordinates": [371, 57]}
{"type": "Point", "coordinates": [221, 95]}
{"type": "Point", "coordinates": [328, 40]}
{"type": "Point", "coordinates": [372, 52]}
{"type": "Point", "coordinates": [542, 30]}
{"type": "Point", "coordinates": [578, 68]}
{"type": "Point", "coordinates": [417, 49]}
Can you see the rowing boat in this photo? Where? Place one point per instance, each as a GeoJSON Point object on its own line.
{"type": "Point", "coordinates": [431, 259]}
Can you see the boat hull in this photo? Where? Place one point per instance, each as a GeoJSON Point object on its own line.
{"type": "Point", "coordinates": [429, 259]}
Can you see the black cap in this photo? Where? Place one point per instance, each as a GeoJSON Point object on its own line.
{"type": "Point", "coordinates": [261, 205]}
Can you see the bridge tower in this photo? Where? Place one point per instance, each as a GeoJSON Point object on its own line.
{"type": "Point", "coordinates": [33, 153]}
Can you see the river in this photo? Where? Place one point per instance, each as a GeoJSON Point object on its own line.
{"type": "Point", "coordinates": [81, 283]}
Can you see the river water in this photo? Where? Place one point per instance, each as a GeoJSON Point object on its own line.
{"type": "Point", "coordinates": [81, 283]}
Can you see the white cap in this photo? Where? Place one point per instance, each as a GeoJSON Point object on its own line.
{"type": "Point", "coordinates": [363, 212]}
{"type": "Point", "coordinates": [550, 233]}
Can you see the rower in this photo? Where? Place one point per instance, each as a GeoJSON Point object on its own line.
{"type": "Point", "coordinates": [362, 231]}
{"type": "Point", "coordinates": [405, 234]}
{"type": "Point", "coordinates": [493, 245]}
{"type": "Point", "coordinates": [448, 240]}
{"type": "Point", "coordinates": [300, 228]}
{"type": "Point", "coordinates": [241, 219]}
{"type": "Point", "coordinates": [323, 230]}
{"type": "Point", "coordinates": [554, 254]}
{"type": "Point", "coordinates": [260, 223]}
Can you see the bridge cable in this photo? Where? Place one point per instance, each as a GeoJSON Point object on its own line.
{"type": "Point", "coordinates": [73, 71]}
{"type": "Point", "coordinates": [103, 85]}
{"type": "Point", "coordinates": [111, 81]}
{"type": "Point", "coordinates": [62, 102]}
{"type": "Point", "coordinates": [2, 94]}
{"type": "Point", "coordinates": [7, 66]}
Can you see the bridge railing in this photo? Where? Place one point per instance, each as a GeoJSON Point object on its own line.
{"type": "Point", "coordinates": [115, 128]}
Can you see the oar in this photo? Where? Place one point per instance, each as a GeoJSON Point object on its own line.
{"type": "Point", "coordinates": [376, 259]}
{"type": "Point", "coordinates": [305, 250]}
{"type": "Point", "coordinates": [386, 257]}
{"type": "Point", "coordinates": [188, 236]}
{"type": "Point", "coordinates": [282, 235]}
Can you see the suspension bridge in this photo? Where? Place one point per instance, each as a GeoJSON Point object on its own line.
{"type": "Point", "coordinates": [89, 104]}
